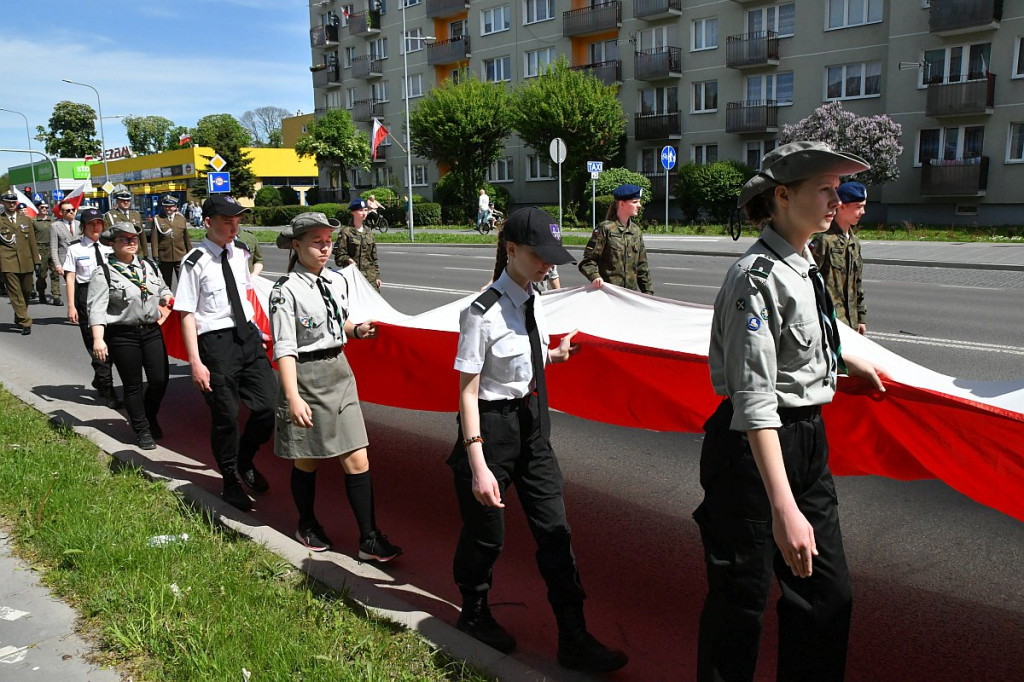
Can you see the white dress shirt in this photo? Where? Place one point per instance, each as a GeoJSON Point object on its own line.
{"type": "Point", "coordinates": [203, 291]}
{"type": "Point", "coordinates": [81, 259]}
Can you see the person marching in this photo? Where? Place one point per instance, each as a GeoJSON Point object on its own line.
{"type": "Point", "coordinates": [839, 256]}
{"type": "Point", "coordinates": [356, 245]}
{"type": "Point", "coordinates": [248, 237]}
{"type": "Point", "coordinates": [82, 258]}
{"type": "Point", "coordinates": [170, 239]}
{"type": "Point", "coordinates": [19, 256]}
{"type": "Point", "coordinates": [615, 252]}
{"type": "Point", "coordinates": [318, 412]}
{"type": "Point", "coordinates": [225, 348]}
{"type": "Point", "coordinates": [769, 499]}
{"type": "Point", "coordinates": [43, 226]}
{"type": "Point", "coordinates": [504, 439]}
{"type": "Point", "coordinates": [127, 298]}
{"type": "Point", "coordinates": [122, 212]}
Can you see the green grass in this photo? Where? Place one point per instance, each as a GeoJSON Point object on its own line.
{"type": "Point", "coordinates": [203, 609]}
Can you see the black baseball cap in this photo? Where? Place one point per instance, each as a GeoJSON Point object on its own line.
{"type": "Point", "coordinates": [89, 215]}
{"type": "Point", "coordinates": [223, 204]}
{"type": "Point", "coordinates": [536, 228]}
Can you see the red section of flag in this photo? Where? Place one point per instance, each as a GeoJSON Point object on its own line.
{"type": "Point", "coordinates": [75, 198]}
{"type": "Point", "coordinates": [378, 135]}
{"type": "Point", "coordinates": [183, 139]}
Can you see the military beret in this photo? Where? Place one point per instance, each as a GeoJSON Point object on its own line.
{"type": "Point", "coordinates": [852, 192]}
{"type": "Point", "coordinates": [304, 222]}
{"type": "Point", "coordinates": [356, 204]}
{"type": "Point", "coordinates": [627, 192]}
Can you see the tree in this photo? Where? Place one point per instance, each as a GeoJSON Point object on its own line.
{"type": "Point", "coordinates": [71, 132]}
{"type": "Point", "coordinates": [336, 145]}
{"type": "Point", "coordinates": [712, 188]}
{"type": "Point", "coordinates": [463, 126]}
{"type": "Point", "coordinates": [874, 138]}
{"type": "Point", "coordinates": [264, 125]}
{"type": "Point", "coordinates": [268, 196]}
{"type": "Point", "coordinates": [610, 178]}
{"type": "Point", "coordinates": [227, 137]}
{"type": "Point", "coordinates": [151, 134]}
{"type": "Point", "coordinates": [577, 107]}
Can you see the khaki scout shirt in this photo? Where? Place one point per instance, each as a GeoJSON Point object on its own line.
{"type": "Point", "coordinates": [360, 247]}
{"type": "Point", "coordinates": [841, 262]}
{"type": "Point", "coordinates": [300, 319]}
{"type": "Point", "coordinates": [616, 254]}
{"type": "Point", "coordinates": [170, 239]}
{"type": "Point", "coordinates": [119, 300]}
{"type": "Point", "coordinates": [18, 250]}
{"type": "Point", "coordinates": [766, 344]}
{"type": "Point", "coordinates": [116, 215]}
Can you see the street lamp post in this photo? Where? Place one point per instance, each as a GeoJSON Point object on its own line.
{"type": "Point", "coordinates": [103, 139]}
{"type": "Point", "coordinates": [28, 137]}
{"type": "Point", "coordinates": [408, 133]}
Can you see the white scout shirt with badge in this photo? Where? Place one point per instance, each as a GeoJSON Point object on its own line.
{"type": "Point", "coordinates": [308, 312]}
{"type": "Point", "coordinates": [81, 259]}
{"type": "Point", "coordinates": [766, 336]}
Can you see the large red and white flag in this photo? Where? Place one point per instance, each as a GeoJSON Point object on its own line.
{"type": "Point", "coordinates": [379, 133]}
{"type": "Point", "coordinates": [75, 198]}
{"type": "Point", "coordinates": [30, 208]}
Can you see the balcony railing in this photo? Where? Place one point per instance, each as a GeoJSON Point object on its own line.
{"type": "Point", "coordinates": [608, 73]}
{"type": "Point", "coordinates": [960, 178]}
{"type": "Point", "coordinates": [367, 67]}
{"type": "Point", "coordinates": [657, 126]}
{"type": "Point", "coordinates": [966, 98]}
{"type": "Point", "coordinates": [326, 75]}
{"type": "Point", "coordinates": [448, 51]}
{"type": "Point", "coordinates": [382, 154]}
{"type": "Point", "coordinates": [365, 109]}
{"type": "Point", "coordinates": [656, 9]}
{"type": "Point", "coordinates": [364, 24]}
{"type": "Point", "coordinates": [950, 17]}
{"type": "Point", "coordinates": [445, 8]}
{"type": "Point", "coordinates": [658, 63]}
{"type": "Point", "coordinates": [324, 35]}
{"type": "Point", "coordinates": [752, 49]}
{"type": "Point", "coordinates": [752, 117]}
{"type": "Point", "coordinates": [581, 22]}
{"type": "Point", "coordinates": [657, 179]}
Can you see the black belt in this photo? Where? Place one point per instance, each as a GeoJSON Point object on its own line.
{"type": "Point", "coordinates": [325, 354]}
{"type": "Point", "coordinates": [128, 328]}
{"type": "Point", "coordinates": [790, 415]}
{"type": "Point", "coordinates": [505, 406]}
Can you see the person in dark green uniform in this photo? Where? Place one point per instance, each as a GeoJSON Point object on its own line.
{"type": "Point", "coordinates": [838, 255]}
{"type": "Point", "coordinates": [248, 237]}
{"type": "Point", "coordinates": [124, 213]}
{"type": "Point", "coordinates": [18, 259]}
{"type": "Point", "coordinates": [615, 252]}
{"type": "Point", "coordinates": [356, 245]}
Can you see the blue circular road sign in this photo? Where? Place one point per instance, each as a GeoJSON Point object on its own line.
{"type": "Point", "coordinates": [668, 157]}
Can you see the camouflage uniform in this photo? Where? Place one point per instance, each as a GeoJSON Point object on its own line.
{"type": "Point", "coordinates": [839, 258]}
{"type": "Point", "coordinates": [249, 239]}
{"type": "Point", "coordinates": [42, 227]}
{"type": "Point", "coordinates": [18, 258]}
{"type": "Point", "coordinates": [616, 254]}
{"type": "Point", "coordinates": [361, 248]}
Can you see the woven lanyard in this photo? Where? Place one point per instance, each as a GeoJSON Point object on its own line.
{"type": "Point", "coordinates": [132, 274]}
{"type": "Point", "coordinates": [334, 319]}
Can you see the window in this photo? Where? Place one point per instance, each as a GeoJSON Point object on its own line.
{"type": "Point", "coordinates": [775, 86]}
{"type": "Point", "coordinates": [350, 54]}
{"type": "Point", "coordinates": [705, 97]}
{"type": "Point", "coordinates": [414, 86]}
{"type": "Point", "coordinates": [498, 70]}
{"type": "Point", "coordinates": [704, 154]}
{"type": "Point", "coordinates": [379, 48]}
{"type": "Point", "coordinates": [346, 10]}
{"type": "Point", "coordinates": [419, 175]}
{"type": "Point", "coordinates": [1018, 59]}
{"type": "Point", "coordinates": [350, 98]}
{"type": "Point", "coordinates": [1015, 144]}
{"type": "Point", "coordinates": [414, 40]}
{"type": "Point", "coordinates": [655, 101]}
{"type": "Point", "coordinates": [778, 18]}
{"type": "Point", "coordinates": [756, 149]}
{"type": "Point", "coordinates": [457, 29]}
{"type": "Point", "coordinates": [650, 161]}
{"type": "Point", "coordinates": [849, 81]}
{"type": "Point", "coordinates": [409, 3]}
{"type": "Point", "coordinates": [379, 91]}
{"type": "Point", "coordinates": [604, 51]}
{"type": "Point", "coordinates": [652, 39]}
{"type": "Point", "coordinates": [539, 168]}
{"type": "Point", "coordinates": [333, 101]}
{"type": "Point", "coordinates": [846, 13]}
{"type": "Point", "coordinates": [955, 64]}
{"type": "Point", "coordinates": [382, 176]}
{"type": "Point", "coordinates": [538, 10]}
{"type": "Point", "coordinates": [500, 170]}
{"type": "Point", "coordinates": [495, 19]}
{"type": "Point", "coordinates": [704, 34]}
{"type": "Point", "coordinates": [956, 143]}
{"type": "Point", "coordinates": [536, 62]}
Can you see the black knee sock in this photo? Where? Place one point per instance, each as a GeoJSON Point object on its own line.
{"type": "Point", "coordinates": [304, 494]}
{"type": "Point", "coordinates": [360, 495]}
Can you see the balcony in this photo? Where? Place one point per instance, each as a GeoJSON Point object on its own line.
{"type": "Point", "coordinates": [953, 17]}
{"type": "Point", "coordinates": [751, 50]}
{"type": "Point", "coordinates": [364, 24]}
{"type": "Point", "coordinates": [325, 75]}
{"type": "Point", "coordinates": [382, 154]}
{"type": "Point", "coordinates": [653, 10]}
{"type": "Point", "coordinates": [580, 22]}
{"type": "Point", "coordinates": [448, 51]}
{"type": "Point", "coordinates": [658, 63]}
{"type": "Point", "coordinates": [323, 36]}
{"type": "Point", "coordinates": [966, 98]}
{"type": "Point", "coordinates": [367, 67]}
{"type": "Point", "coordinates": [657, 179]}
{"type": "Point", "coordinates": [657, 126]}
{"type": "Point", "coordinates": [445, 8]}
{"type": "Point", "coordinates": [365, 110]}
{"type": "Point", "coordinates": [960, 178]}
{"type": "Point", "coordinates": [752, 117]}
{"type": "Point", "coordinates": [608, 73]}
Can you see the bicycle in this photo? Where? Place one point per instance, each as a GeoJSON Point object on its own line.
{"type": "Point", "coordinates": [376, 221]}
{"type": "Point", "coordinates": [494, 220]}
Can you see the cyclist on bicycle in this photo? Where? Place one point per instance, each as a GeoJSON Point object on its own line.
{"type": "Point", "coordinates": [483, 212]}
{"type": "Point", "coordinates": [374, 207]}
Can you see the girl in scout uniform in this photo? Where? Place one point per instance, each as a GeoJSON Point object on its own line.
{"type": "Point", "coordinates": [318, 413]}
{"type": "Point", "coordinates": [127, 298]}
{"type": "Point", "coordinates": [616, 252]}
{"type": "Point", "coordinates": [769, 498]}
{"type": "Point", "coordinates": [357, 246]}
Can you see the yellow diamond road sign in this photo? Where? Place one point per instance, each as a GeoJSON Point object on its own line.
{"type": "Point", "coordinates": [217, 163]}
{"type": "Point", "coordinates": [108, 187]}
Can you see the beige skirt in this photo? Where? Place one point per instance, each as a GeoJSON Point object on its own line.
{"type": "Point", "coordinates": [329, 388]}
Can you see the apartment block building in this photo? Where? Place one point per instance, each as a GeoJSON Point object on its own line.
{"type": "Point", "coordinates": [716, 79]}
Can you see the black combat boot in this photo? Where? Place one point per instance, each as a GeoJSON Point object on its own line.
{"type": "Point", "coordinates": [477, 622]}
{"type": "Point", "coordinates": [577, 648]}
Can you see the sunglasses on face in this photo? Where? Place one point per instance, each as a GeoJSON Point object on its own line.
{"type": "Point", "coordinates": [127, 240]}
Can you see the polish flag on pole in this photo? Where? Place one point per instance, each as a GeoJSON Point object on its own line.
{"type": "Point", "coordinates": [379, 133]}
{"type": "Point", "coordinates": [184, 139]}
{"type": "Point", "coordinates": [75, 198]}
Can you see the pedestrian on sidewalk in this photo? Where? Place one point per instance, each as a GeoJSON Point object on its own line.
{"type": "Point", "coordinates": [840, 258]}
{"type": "Point", "coordinates": [226, 350]}
{"type": "Point", "coordinates": [616, 252]}
{"type": "Point", "coordinates": [503, 439]}
{"type": "Point", "coordinates": [318, 412]}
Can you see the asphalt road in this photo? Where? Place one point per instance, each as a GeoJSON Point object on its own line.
{"type": "Point", "coordinates": [937, 577]}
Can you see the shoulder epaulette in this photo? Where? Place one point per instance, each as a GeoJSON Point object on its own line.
{"type": "Point", "coordinates": [762, 267]}
{"type": "Point", "coordinates": [193, 258]}
{"type": "Point", "coordinates": [239, 244]}
{"type": "Point", "coordinates": [487, 299]}
{"type": "Point", "coordinates": [77, 241]}
{"type": "Point", "coordinates": [280, 282]}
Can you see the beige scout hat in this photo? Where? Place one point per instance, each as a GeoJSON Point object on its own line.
{"type": "Point", "coordinates": [798, 161]}
{"type": "Point", "coordinates": [107, 236]}
{"type": "Point", "coordinates": [304, 222]}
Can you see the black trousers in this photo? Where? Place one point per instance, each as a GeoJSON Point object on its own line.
{"type": "Point", "coordinates": [134, 348]}
{"type": "Point", "coordinates": [516, 453]}
{"type": "Point", "coordinates": [102, 373]}
{"type": "Point", "coordinates": [736, 527]}
{"type": "Point", "coordinates": [167, 269]}
{"type": "Point", "coordinates": [239, 370]}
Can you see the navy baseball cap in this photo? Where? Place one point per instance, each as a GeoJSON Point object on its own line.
{"type": "Point", "coordinates": [89, 215]}
{"type": "Point", "coordinates": [852, 192]}
{"type": "Point", "coordinates": [223, 204]}
{"type": "Point", "coordinates": [536, 228]}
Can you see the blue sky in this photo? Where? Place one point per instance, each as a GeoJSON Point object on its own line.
{"type": "Point", "coordinates": [180, 59]}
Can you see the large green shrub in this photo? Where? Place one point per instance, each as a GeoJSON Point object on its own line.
{"type": "Point", "coordinates": [272, 216]}
{"type": "Point", "coordinates": [611, 178]}
{"type": "Point", "coordinates": [330, 210]}
{"type": "Point", "coordinates": [711, 189]}
{"type": "Point", "coordinates": [289, 197]}
{"type": "Point", "coordinates": [426, 213]}
{"type": "Point", "coordinates": [267, 196]}
{"type": "Point", "coordinates": [384, 195]}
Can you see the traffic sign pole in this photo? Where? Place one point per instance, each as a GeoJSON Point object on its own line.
{"type": "Point", "coordinates": [668, 161]}
{"type": "Point", "coordinates": [594, 168]}
{"type": "Point", "coordinates": [557, 151]}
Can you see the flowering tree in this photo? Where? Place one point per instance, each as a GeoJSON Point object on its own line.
{"type": "Point", "coordinates": [874, 138]}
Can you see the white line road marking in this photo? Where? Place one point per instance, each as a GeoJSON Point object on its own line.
{"type": "Point", "coordinates": [699, 286]}
{"type": "Point", "coordinates": [10, 654]}
{"type": "Point", "coordinates": [7, 613]}
{"type": "Point", "coordinates": [440, 255]}
{"type": "Point", "coordinates": [671, 267]}
{"type": "Point", "coordinates": [430, 290]}
{"type": "Point", "coordinates": [467, 269]}
{"type": "Point", "coordinates": [947, 343]}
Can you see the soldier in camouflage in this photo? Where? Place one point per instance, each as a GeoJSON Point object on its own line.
{"type": "Point", "coordinates": [124, 213]}
{"type": "Point", "coordinates": [356, 245]}
{"type": "Point", "coordinates": [838, 255]}
{"type": "Point", "coordinates": [615, 252]}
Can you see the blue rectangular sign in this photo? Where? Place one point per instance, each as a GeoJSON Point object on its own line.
{"type": "Point", "coordinates": [218, 183]}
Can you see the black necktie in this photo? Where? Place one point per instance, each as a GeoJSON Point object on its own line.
{"type": "Point", "coordinates": [229, 280]}
{"type": "Point", "coordinates": [826, 317]}
{"type": "Point", "coordinates": [99, 256]}
{"type": "Point", "coordinates": [538, 367]}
